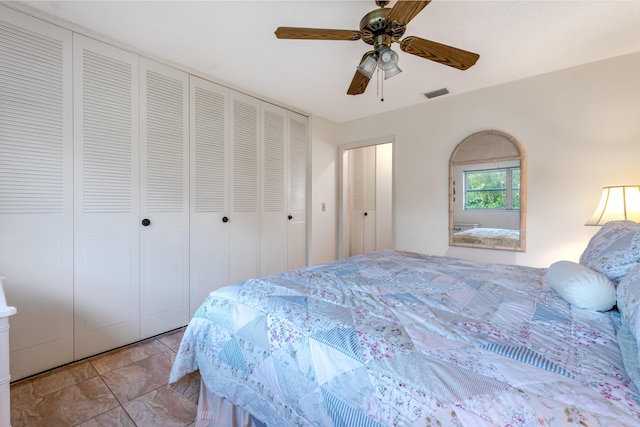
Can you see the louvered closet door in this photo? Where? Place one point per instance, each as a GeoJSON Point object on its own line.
{"type": "Point", "coordinates": [297, 190]}
{"type": "Point", "coordinates": [244, 218]}
{"type": "Point", "coordinates": [209, 183]}
{"type": "Point", "coordinates": [284, 184]}
{"type": "Point", "coordinates": [36, 190]}
{"type": "Point", "coordinates": [107, 222]}
{"type": "Point", "coordinates": [164, 177]}
{"type": "Point", "coordinates": [273, 240]}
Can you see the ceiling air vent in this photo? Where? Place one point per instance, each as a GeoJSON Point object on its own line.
{"type": "Point", "coordinates": [435, 93]}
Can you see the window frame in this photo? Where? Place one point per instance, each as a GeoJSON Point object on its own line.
{"type": "Point", "coordinates": [509, 189]}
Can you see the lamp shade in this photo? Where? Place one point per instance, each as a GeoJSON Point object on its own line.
{"type": "Point", "coordinates": [617, 203]}
{"type": "Point", "coordinates": [387, 59]}
{"type": "Point", "coordinates": [369, 64]}
{"type": "Point", "coordinates": [392, 72]}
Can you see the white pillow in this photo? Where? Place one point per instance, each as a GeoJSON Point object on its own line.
{"type": "Point", "coordinates": [581, 286]}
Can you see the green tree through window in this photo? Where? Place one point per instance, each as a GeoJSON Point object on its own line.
{"type": "Point", "coordinates": [492, 189]}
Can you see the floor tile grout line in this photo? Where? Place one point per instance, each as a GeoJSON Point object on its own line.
{"type": "Point", "coordinates": [166, 346]}
{"type": "Point", "coordinates": [133, 363]}
{"type": "Point", "coordinates": [91, 358]}
{"type": "Point", "coordinates": [111, 409]}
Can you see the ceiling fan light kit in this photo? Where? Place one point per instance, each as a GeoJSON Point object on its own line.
{"type": "Point", "coordinates": [387, 59]}
{"type": "Point", "coordinates": [380, 28]}
{"type": "Point", "coordinates": [392, 72]}
{"type": "Point", "coordinates": [384, 58]}
{"type": "Point", "coordinates": [368, 66]}
{"type": "Point", "coordinates": [388, 62]}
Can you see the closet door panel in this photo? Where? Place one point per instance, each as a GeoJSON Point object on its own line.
{"type": "Point", "coordinates": [36, 190]}
{"type": "Point", "coordinates": [384, 196]}
{"type": "Point", "coordinates": [244, 218]}
{"type": "Point", "coordinates": [164, 187]}
{"type": "Point", "coordinates": [273, 251]}
{"type": "Point", "coordinates": [356, 201]}
{"type": "Point", "coordinates": [369, 232]}
{"type": "Point", "coordinates": [209, 182]}
{"type": "Point", "coordinates": [106, 221]}
{"type": "Point", "coordinates": [369, 190]}
{"type": "Point", "coordinates": [297, 191]}
{"type": "Point", "coordinates": [362, 199]}
{"type": "Point", "coordinates": [104, 295]}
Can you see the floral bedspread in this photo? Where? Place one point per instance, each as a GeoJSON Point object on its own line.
{"type": "Point", "coordinates": [396, 338]}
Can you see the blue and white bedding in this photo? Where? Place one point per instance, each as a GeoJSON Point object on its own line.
{"type": "Point", "coordinates": [395, 338]}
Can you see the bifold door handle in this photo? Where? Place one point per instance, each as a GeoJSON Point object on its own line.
{"type": "Point", "coordinates": [146, 222]}
{"type": "Point", "coordinates": [225, 219]}
{"type": "Point", "coordinates": [365, 214]}
{"type": "Point", "coordinates": [290, 217]}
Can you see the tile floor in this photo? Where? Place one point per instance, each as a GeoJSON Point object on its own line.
{"type": "Point", "coordinates": [125, 387]}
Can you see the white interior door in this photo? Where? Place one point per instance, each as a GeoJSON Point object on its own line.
{"type": "Point", "coordinates": [284, 184]}
{"type": "Point", "coordinates": [36, 190]}
{"type": "Point", "coordinates": [244, 217]}
{"type": "Point", "coordinates": [273, 240]}
{"type": "Point", "coordinates": [106, 222]}
{"type": "Point", "coordinates": [209, 183]}
{"type": "Point", "coordinates": [164, 205]}
{"type": "Point", "coordinates": [362, 186]}
{"type": "Point", "coordinates": [356, 201]}
{"type": "Point", "coordinates": [384, 196]}
{"type": "Point", "coordinates": [367, 212]}
{"type": "Point", "coordinates": [369, 202]}
{"type": "Point", "coordinates": [297, 191]}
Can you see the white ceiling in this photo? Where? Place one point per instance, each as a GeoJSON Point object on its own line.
{"type": "Point", "coordinates": [233, 43]}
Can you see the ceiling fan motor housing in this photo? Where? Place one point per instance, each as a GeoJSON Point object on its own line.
{"type": "Point", "coordinates": [377, 30]}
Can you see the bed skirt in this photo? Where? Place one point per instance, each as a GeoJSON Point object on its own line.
{"type": "Point", "coordinates": [216, 411]}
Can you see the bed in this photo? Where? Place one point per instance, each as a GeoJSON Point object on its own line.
{"type": "Point", "coordinates": [488, 237]}
{"type": "Point", "coordinates": [395, 338]}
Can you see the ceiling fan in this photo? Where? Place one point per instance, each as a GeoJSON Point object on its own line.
{"type": "Point", "coordinates": [380, 28]}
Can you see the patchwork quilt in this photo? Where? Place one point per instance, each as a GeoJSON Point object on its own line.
{"type": "Point", "coordinates": [396, 338]}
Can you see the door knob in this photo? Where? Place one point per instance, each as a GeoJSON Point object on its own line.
{"type": "Point", "coordinates": [146, 222]}
{"type": "Point", "coordinates": [225, 219]}
{"type": "Point", "coordinates": [365, 214]}
{"type": "Point", "coordinates": [290, 217]}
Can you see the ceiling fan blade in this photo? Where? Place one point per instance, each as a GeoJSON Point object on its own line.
{"type": "Point", "coordinates": [317, 34]}
{"type": "Point", "coordinates": [360, 81]}
{"type": "Point", "coordinates": [447, 55]}
{"type": "Point", "coordinates": [404, 11]}
{"type": "Point", "coordinates": [358, 84]}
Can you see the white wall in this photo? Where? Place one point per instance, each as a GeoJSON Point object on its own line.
{"type": "Point", "coordinates": [324, 189]}
{"type": "Point", "coordinates": [580, 129]}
